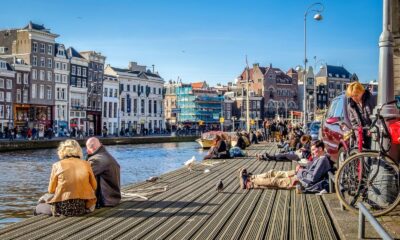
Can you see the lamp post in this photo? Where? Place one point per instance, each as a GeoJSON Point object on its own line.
{"type": "Point", "coordinates": [386, 79]}
{"type": "Point", "coordinates": [233, 123]}
{"type": "Point", "coordinates": [247, 97]}
{"type": "Point", "coordinates": [318, 9]}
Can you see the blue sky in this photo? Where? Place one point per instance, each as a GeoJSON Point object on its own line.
{"type": "Point", "coordinates": [209, 39]}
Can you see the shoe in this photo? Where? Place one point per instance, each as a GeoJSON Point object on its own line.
{"type": "Point", "coordinates": [299, 189]}
{"type": "Point", "coordinates": [243, 178]}
{"type": "Point", "coordinates": [259, 157]}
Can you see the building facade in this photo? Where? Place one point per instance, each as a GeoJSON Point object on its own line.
{"type": "Point", "coordinates": [141, 99]}
{"type": "Point", "coordinates": [170, 108]}
{"type": "Point", "coordinates": [335, 78]}
{"type": "Point", "coordinates": [110, 109]}
{"type": "Point", "coordinates": [278, 89]}
{"type": "Point", "coordinates": [95, 87]}
{"type": "Point", "coordinates": [7, 80]}
{"type": "Point", "coordinates": [21, 88]}
{"type": "Point", "coordinates": [78, 92]}
{"type": "Point", "coordinates": [34, 45]}
{"type": "Point", "coordinates": [61, 95]}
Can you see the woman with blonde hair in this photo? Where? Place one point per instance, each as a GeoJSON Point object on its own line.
{"type": "Point", "coordinates": [72, 184]}
{"type": "Point", "coordinates": [360, 105]}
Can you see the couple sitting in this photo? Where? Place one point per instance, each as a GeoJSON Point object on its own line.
{"type": "Point", "coordinates": [312, 178]}
{"type": "Point", "coordinates": [77, 186]}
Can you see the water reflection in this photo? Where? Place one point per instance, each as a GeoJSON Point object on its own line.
{"type": "Point", "coordinates": [24, 175]}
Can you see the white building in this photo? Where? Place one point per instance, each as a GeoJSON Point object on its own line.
{"type": "Point", "coordinates": [141, 99]}
{"type": "Point", "coordinates": [77, 90]}
{"type": "Point", "coordinates": [61, 77]}
{"type": "Point", "coordinates": [110, 104]}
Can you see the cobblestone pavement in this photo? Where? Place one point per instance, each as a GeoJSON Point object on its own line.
{"type": "Point", "coordinates": [391, 222]}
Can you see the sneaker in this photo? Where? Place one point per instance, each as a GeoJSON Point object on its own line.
{"type": "Point", "coordinates": [243, 178]}
{"type": "Point", "coordinates": [299, 189]}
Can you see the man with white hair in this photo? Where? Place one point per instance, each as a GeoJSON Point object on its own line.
{"type": "Point", "coordinates": [107, 172]}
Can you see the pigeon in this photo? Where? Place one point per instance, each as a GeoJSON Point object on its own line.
{"type": "Point", "coordinates": [220, 186]}
{"type": "Point", "coordinates": [189, 163]}
{"type": "Point", "coordinates": [152, 179]}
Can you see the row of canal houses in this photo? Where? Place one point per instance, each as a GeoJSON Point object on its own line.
{"type": "Point", "coordinates": [44, 84]}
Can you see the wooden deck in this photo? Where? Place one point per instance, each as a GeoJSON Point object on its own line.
{"type": "Point", "coordinates": [191, 208]}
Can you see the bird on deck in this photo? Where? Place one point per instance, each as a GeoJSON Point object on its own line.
{"type": "Point", "coordinates": [220, 186]}
{"type": "Point", "coordinates": [189, 163]}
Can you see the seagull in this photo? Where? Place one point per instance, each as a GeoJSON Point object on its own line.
{"type": "Point", "coordinates": [152, 179]}
{"type": "Point", "coordinates": [189, 163]}
{"type": "Point", "coordinates": [220, 186]}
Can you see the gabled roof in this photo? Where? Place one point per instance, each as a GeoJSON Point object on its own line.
{"type": "Point", "coordinates": [71, 52]}
{"type": "Point", "coordinates": [35, 26]}
{"type": "Point", "coordinates": [333, 71]}
{"type": "Point", "coordinates": [198, 85]}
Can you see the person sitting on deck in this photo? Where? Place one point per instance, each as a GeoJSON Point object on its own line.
{"type": "Point", "coordinates": [218, 150]}
{"type": "Point", "coordinates": [72, 184]}
{"type": "Point", "coordinates": [302, 153]}
{"type": "Point", "coordinates": [107, 172]}
{"type": "Point", "coordinates": [312, 178]}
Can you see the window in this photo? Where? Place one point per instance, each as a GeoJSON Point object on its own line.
{"type": "Point", "coordinates": [34, 61]}
{"type": "Point", "coordinates": [79, 71]}
{"type": "Point", "coordinates": [18, 95]}
{"type": "Point", "coordinates": [41, 77]}
{"type": "Point", "coordinates": [8, 96]}
{"type": "Point", "coordinates": [42, 62]}
{"type": "Point", "coordinates": [41, 92]}
{"type": "Point", "coordinates": [50, 63]}
{"type": "Point", "coordinates": [41, 48]}
{"type": "Point", "coordinates": [123, 104]}
{"type": "Point", "coordinates": [84, 72]}
{"type": "Point", "coordinates": [73, 70]}
{"type": "Point", "coordinates": [63, 95]}
{"type": "Point", "coordinates": [35, 47]}
{"type": "Point", "coordinates": [50, 49]}
{"type": "Point", "coordinates": [154, 90]}
{"type": "Point", "coordinates": [64, 78]}
{"type": "Point", "coordinates": [149, 106]}
{"type": "Point", "coordinates": [121, 87]}
{"type": "Point", "coordinates": [115, 109]}
{"type": "Point", "coordinates": [8, 111]}
{"type": "Point", "coordinates": [105, 92]}
{"type": "Point", "coordinates": [142, 106]}
{"type": "Point", "coordinates": [155, 106]}
{"type": "Point", "coordinates": [1, 83]}
{"type": "Point", "coordinates": [19, 78]}
{"type": "Point", "coordinates": [64, 66]}
{"type": "Point", "coordinates": [134, 88]}
{"type": "Point", "coordinates": [49, 76]}
{"type": "Point", "coordinates": [33, 94]}
{"type": "Point", "coordinates": [339, 108]}
{"type": "Point", "coordinates": [111, 92]}
{"type": "Point", "coordinates": [57, 77]}
{"type": "Point", "coordinates": [26, 78]}
{"type": "Point", "coordinates": [1, 96]}
{"type": "Point", "coordinates": [128, 88]}
{"type": "Point", "coordinates": [34, 74]}
{"type": "Point", "coordinates": [1, 111]}
{"type": "Point", "coordinates": [105, 109]}
{"type": "Point", "coordinates": [9, 84]}
{"type": "Point", "coordinates": [115, 92]}
{"type": "Point", "coordinates": [159, 91]}
{"type": "Point", "coordinates": [110, 109]}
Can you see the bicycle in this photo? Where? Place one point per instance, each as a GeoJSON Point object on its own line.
{"type": "Point", "coordinates": [371, 177]}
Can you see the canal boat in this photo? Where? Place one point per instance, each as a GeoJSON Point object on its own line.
{"type": "Point", "coordinates": [207, 139]}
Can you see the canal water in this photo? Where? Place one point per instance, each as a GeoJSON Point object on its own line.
{"type": "Point", "coordinates": [24, 175]}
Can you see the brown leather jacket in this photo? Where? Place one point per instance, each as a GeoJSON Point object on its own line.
{"type": "Point", "coordinates": [73, 178]}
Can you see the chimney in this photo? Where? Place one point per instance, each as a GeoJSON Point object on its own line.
{"type": "Point", "coordinates": [255, 65]}
{"type": "Point", "coordinates": [270, 65]}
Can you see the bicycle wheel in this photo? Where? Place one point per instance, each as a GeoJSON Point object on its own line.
{"type": "Point", "coordinates": [370, 179]}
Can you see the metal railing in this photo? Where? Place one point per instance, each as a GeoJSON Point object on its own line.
{"type": "Point", "coordinates": [364, 213]}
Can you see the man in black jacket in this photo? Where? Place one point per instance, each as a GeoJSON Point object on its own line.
{"type": "Point", "coordinates": [107, 172]}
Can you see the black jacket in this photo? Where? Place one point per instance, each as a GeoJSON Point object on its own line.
{"type": "Point", "coordinates": [107, 172]}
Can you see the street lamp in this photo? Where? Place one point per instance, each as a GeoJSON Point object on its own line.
{"type": "Point", "coordinates": [318, 8]}
{"type": "Point", "coordinates": [233, 123]}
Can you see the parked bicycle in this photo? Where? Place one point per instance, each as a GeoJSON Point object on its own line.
{"type": "Point", "coordinates": [370, 177]}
